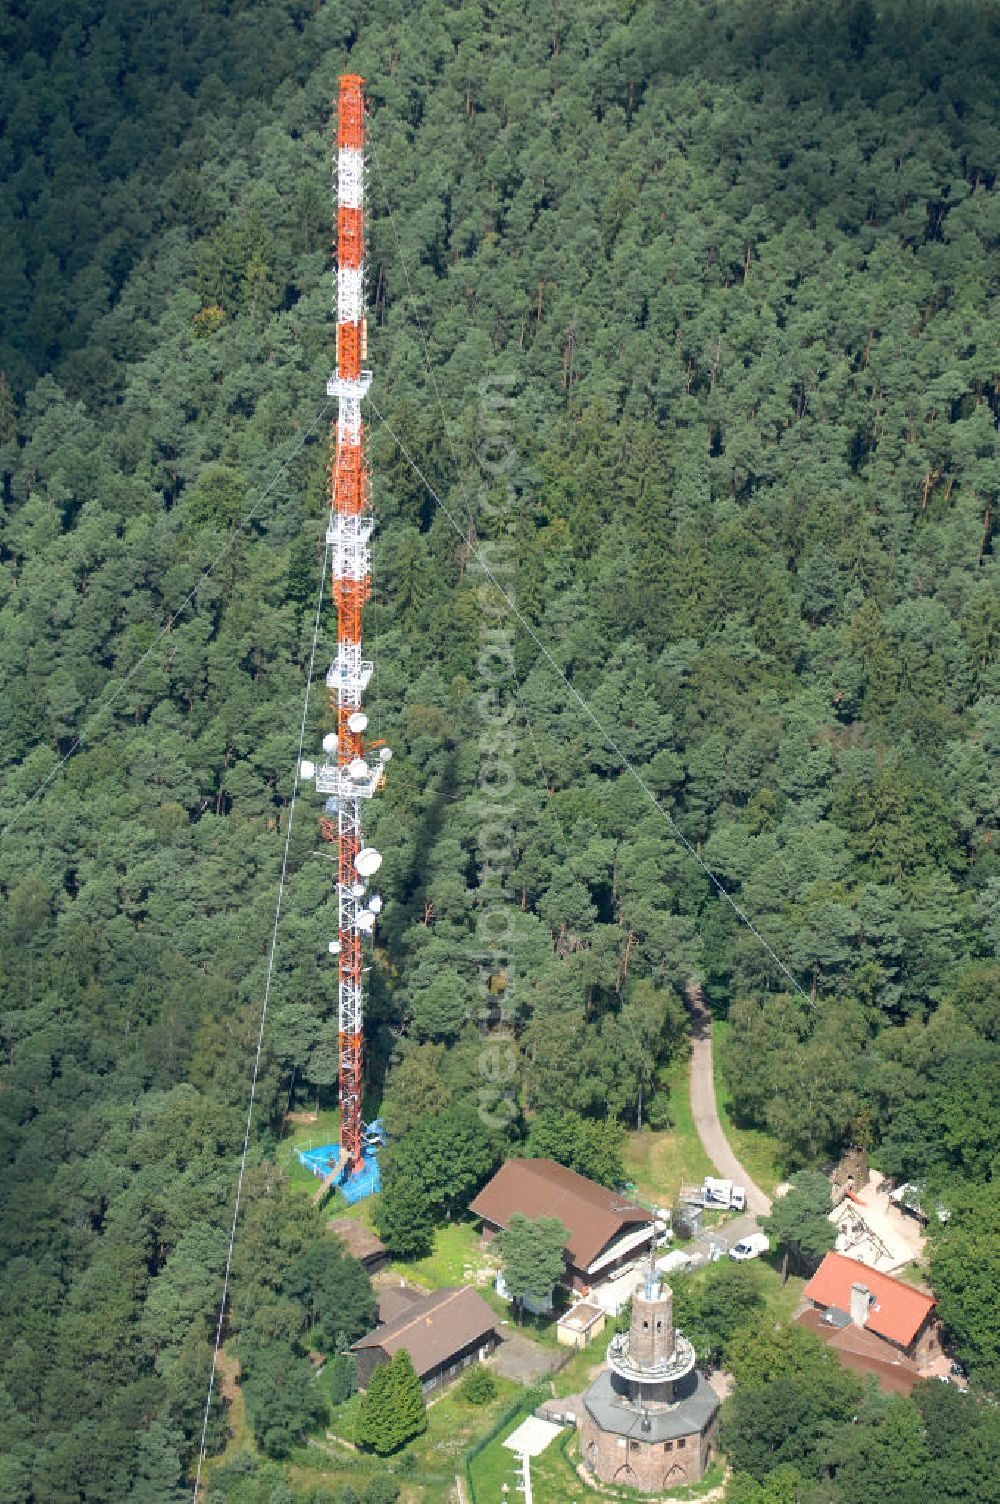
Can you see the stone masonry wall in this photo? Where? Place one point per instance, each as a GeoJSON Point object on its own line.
{"type": "Point", "coordinates": [650, 1466]}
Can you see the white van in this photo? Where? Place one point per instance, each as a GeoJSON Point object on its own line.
{"type": "Point", "coordinates": [750, 1247]}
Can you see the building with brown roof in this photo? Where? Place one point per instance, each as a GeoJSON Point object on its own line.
{"type": "Point", "coordinates": [603, 1229]}
{"type": "Point", "coordinates": [393, 1300]}
{"type": "Point", "coordinates": [360, 1242]}
{"type": "Point", "coordinates": [875, 1303]}
{"type": "Point", "coordinates": [443, 1333]}
{"type": "Point", "coordinates": [862, 1352]}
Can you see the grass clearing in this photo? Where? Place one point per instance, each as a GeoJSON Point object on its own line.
{"type": "Point", "coordinates": [453, 1425]}
{"type": "Point", "coordinates": [324, 1130]}
{"type": "Point", "coordinates": [660, 1162]}
{"type": "Point", "coordinates": [425, 1469]}
{"type": "Point", "coordinates": [782, 1299]}
{"type": "Point", "coordinates": [917, 1274]}
{"type": "Point", "coordinates": [457, 1258]}
{"type": "Point", "coordinates": [577, 1373]}
{"type": "Point", "coordinates": [759, 1152]}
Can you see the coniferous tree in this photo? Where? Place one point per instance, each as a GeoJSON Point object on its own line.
{"type": "Point", "coordinates": [392, 1407]}
{"type": "Point", "coordinates": [375, 1427]}
{"type": "Point", "coordinates": [404, 1220]}
{"type": "Point", "coordinates": [407, 1398]}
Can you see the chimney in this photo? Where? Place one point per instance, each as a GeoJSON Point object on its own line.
{"type": "Point", "coordinates": [860, 1297]}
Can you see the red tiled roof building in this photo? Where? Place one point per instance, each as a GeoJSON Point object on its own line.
{"type": "Point", "coordinates": [876, 1303]}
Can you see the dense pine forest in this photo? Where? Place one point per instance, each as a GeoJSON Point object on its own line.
{"type": "Point", "coordinates": [717, 283]}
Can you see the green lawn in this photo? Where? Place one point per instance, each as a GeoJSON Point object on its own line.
{"type": "Point", "coordinates": [781, 1298]}
{"type": "Point", "coordinates": [456, 1259]}
{"type": "Point", "coordinates": [553, 1476]}
{"type": "Point", "coordinates": [659, 1163]}
{"type": "Point", "coordinates": [453, 1425]}
{"type": "Point", "coordinates": [916, 1274]}
{"type": "Point", "coordinates": [425, 1469]}
{"type": "Point", "coordinates": [325, 1130]}
{"type": "Point", "coordinates": [756, 1150]}
{"type": "Point", "coordinates": [576, 1375]}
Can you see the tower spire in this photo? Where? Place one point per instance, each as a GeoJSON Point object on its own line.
{"type": "Point", "coordinates": [357, 769]}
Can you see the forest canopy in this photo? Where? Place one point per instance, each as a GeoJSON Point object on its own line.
{"type": "Point", "coordinates": [734, 270]}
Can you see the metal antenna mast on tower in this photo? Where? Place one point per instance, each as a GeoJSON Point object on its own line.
{"type": "Point", "coordinates": [350, 773]}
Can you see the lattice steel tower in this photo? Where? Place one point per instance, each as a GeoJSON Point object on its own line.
{"type": "Point", "coordinates": [354, 767]}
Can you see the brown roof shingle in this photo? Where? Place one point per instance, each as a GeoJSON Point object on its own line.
{"type": "Point", "coordinates": [591, 1214]}
{"type": "Point", "coordinates": [863, 1352]}
{"type": "Point", "coordinates": [435, 1328]}
{"type": "Point", "coordinates": [393, 1300]}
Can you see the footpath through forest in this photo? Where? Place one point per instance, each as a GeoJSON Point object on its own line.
{"type": "Point", "coordinates": [703, 1105]}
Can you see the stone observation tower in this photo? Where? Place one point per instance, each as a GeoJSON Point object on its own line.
{"type": "Point", "coordinates": [649, 1418]}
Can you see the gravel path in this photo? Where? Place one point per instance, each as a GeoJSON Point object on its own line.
{"type": "Point", "coordinates": [703, 1105]}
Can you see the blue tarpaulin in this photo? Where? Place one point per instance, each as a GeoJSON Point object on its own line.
{"type": "Point", "coordinates": [363, 1183]}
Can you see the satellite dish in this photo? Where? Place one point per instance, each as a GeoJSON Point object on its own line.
{"type": "Point", "coordinates": [385, 755]}
{"type": "Point", "coordinates": [330, 742]}
{"type": "Point", "coordinates": [334, 947]}
{"type": "Point", "coordinates": [357, 722]}
{"type": "Point", "coordinates": [375, 904]}
{"type": "Point", "coordinates": [358, 890]}
{"type": "Point", "coordinates": [366, 921]}
{"type": "Point", "coordinates": [368, 861]}
{"type": "Point", "coordinates": [358, 769]}
{"type": "Point", "coordinates": [307, 769]}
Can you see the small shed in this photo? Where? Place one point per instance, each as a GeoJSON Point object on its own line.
{"type": "Point", "coordinates": [360, 1242]}
{"type": "Point", "coordinates": [580, 1324]}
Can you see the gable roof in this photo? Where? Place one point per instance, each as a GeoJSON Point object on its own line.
{"type": "Point", "coordinates": [591, 1214]}
{"type": "Point", "coordinates": [393, 1300]}
{"type": "Point", "coordinates": [863, 1352]}
{"type": "Point", "coordinates": [434, 1328]}
{"type": "Point", "coordinates": [897, 1311]}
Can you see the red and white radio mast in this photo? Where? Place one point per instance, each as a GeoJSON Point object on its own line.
{"type": "Point", "coordinates": [351, 773]}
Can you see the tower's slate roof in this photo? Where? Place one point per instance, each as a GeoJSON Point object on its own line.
{"type": "Point", "coordinates": [696, 1404]}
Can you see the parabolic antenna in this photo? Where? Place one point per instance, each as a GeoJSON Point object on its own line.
{"type": "Point", "coordinates": [375, 904]}
{"type": "Point", "coordinates": [334, 947]}
{"type": "Point", "coordinates": [368, 861]}
{"type": "Point", "coordinates": [357, 722]}
{"type": "Point", "coordinates": [307, 769]}
{"type": "Point", "coordinates": [366, 921]}
{"type": "Point", "coordinates": [330, 742]}
{"type": "Point", "coordinates": [358, 769]}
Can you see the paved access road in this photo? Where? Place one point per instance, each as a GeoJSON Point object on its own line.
{"type": "Point", "coordinates": [703, 1104]}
